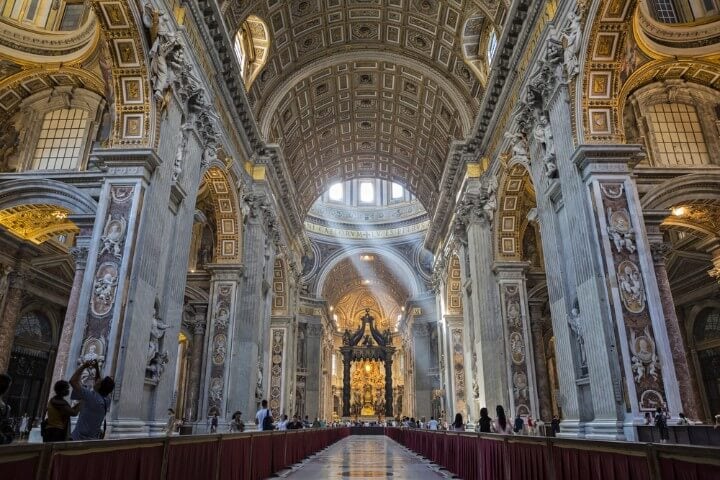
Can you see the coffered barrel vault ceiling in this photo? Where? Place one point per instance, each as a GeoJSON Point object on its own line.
{"type": "Point", "coordinates": [364, 88]}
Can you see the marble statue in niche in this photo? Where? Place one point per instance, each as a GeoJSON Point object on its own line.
{"type": "Point", "coordinates": [163, 43]}
{"type": "Point", "coordinates": [519, 147]}
{"type": "Point", "coordinates": [157, 358]}
{"type": "Point", "coordinates": [113, 236]}
{"type": "Point", "coordinates": [632, 290]}
{"type": "Point", "coordinates": [544, 135]}
{"type": "Point", "coordinates": [572, 34]}
{"type": "Point", "coordinates": [620, 230]}
{"type": "Point", "coordinates": [575, 323]}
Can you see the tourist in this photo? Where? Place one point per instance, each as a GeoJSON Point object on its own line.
{"type": "Point", "coordinates": [501, 424]}
{"type": "Point", "coordinates": [683, 419]}
{"type": "Point", "coordinates": [236, 423]}
{"type": "Point", "coordinates": [485, 423]}
{"type": "Point", "coordinates": [306, 422]}
{"type": "Point", "coordinates": [458, 424]}
{"type": "Point", "coordinates": [519, 425]}
{"type": "Point", "coordinates": [283, 423]}
{"type": "Point", "coordinates": [295, 424]}
{"type": "Point", "coordinates": [432, 424]}
{"type": "Point", "coordinates": [661, 424]}
{"type": "Point", "coordinates": [717, 420]}
{"type": "Point", "coordinates": [170, 423]}
{"type": "Point", "coordinates": [24, 423]}
{"type": "Point", "coordinates": [95, 402]}
{"type": "Point", "coordinates": [7, 432]}
{"type": "Point", "coordinates": [59, 411]}
{"type": "Point", "coordinates": [555, 425]}
{"type": "Point", "coordinates": [422, 422]}
{"type": "Point", "coordinates": [648, 418]}
{"type": "Point", "coordinates": [316, 423]}
{"type": "Point", "coordinates": [530, 425]}
{"type": "Point", "coordinates": [263, 417]}
{"type": "Point", "coordinates": [214, 423]}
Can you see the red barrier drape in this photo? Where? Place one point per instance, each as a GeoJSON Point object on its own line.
{"type": "Point", "coordinates": [527, 461]}
{"type": "Point", "coordinates": [235, 458]}
{"type": "Point", "coordinates": [278, 451]}
{"type": "Point", "coordinates": [672, 469]}
{"type": "Point", "coordinates": [572, 464]}
{"type": "Point", "coordinates": [261, 457]}
{"type": "Point", "coordinates": [467, 457]}
{"type": "Point", "coordinates": [138, 463]}
{"type": "Point", "coordinates": [19, 469]}
{"type": "Point", "coordinates": [192, 461]}
{"type": "Point", "coordinates": [491, 454]}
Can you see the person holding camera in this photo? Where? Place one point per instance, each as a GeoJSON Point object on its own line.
{"type": "Point", "coordinates": [94, 405]}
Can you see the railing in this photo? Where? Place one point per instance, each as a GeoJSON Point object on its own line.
{"type": "Point", "coordinates": [252, 456]}
{"type": "Point", "coordinates": [502, 457]}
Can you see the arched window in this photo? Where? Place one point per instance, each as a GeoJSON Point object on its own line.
{"type": "Point", "coordinates": [62, 136]}
{"type": "Point", "coordinates": [706, 337]}
{"type": "Point", "coordinates": [252, 45]}
{"type": "Point", "coordinates": [678, 134]}
{"type": "Point", "coordinates": [336, 192]}
{"type": "Point", "coordinates": [491, 46]}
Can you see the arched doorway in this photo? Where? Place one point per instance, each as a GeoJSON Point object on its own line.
{"type": "Point", "coordinates": [705, 348]}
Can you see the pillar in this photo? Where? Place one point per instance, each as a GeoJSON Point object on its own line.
{"type": "Point", "coordinates": [520, 365]}
{"type": "Point", "coordinates": [79, 253]}
{"type": "Point", "coordinates": [12, 303]}
{"type": "Point", "coordinates": [687, 382]}
{"type": "Point", "coordinates": [199, 327]}
{"type": "Point", "coordinates": [542, 376]}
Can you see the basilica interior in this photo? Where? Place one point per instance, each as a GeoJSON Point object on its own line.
{"type": "Point", "coordinates": [363, 209]}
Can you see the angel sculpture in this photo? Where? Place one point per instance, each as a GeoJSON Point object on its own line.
{"type": "Point", "coordinates": [112, 237]}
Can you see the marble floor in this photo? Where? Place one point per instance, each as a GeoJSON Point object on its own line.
{"type": "Point", "coordinates": [365, 457]}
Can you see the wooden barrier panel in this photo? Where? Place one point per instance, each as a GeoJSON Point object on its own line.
{"type": "Point", "coordinates": [198, 457]}
{"type": "Point", "coordinates": [502, 457]}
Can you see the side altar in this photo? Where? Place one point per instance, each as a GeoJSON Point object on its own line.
{"type": "Point", "coordinates": [364, 353]}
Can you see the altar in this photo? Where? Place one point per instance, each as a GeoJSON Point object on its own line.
{"type": "Point", "coordinates": [367, 371]}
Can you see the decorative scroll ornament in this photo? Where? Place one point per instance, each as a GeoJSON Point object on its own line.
{"type": "Point", "coordinates": [620, 230]}
{"type": "Point", "coordinates": [632, 290]}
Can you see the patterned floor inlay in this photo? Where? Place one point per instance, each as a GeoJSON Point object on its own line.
{"type": "Point", "coordinates": [365, 457]}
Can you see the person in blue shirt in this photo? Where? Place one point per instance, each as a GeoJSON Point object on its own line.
{"type": "Point", "coordinates": [95, 402]}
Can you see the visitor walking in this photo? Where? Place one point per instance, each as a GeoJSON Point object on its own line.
{"type": "Point", "coordinates": [555, 425]}
{"type": "Point", "coordinates": [214, 423]}
{"type": "Point", "coordinates": [283, 423]}
{"type": "Point", "coordinates": [59, 411]}
{"type": "Point", "coordinates": [661, 424]}
{"type": "Point", "coordinates": [433, 424]}
{"type": "Point", "coordinates": [485, 423]}
{"type": "Point", "coordinates": [519, 425]}
{"type": "Point", "coordinates": [501, 424]}
{"type": "Point", "coordinates": [95, 402]}
{"type": "Point", "coordinates": [170, 424]}
{"type": "Point", "coordinates": [458, 424]}
{"type": "Point", "coordinates": [263, 418]}
{"type": "Point", "coordinates": [24, 421]}
{"type": "Point", "coordinates": [7, 432]}
{"type": "Point", "coordinates": [236, 423]}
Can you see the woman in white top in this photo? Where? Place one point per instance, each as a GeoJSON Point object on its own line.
{"type": "Point", "coordinates": [501, 424]}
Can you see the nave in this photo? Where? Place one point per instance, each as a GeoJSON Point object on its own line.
{"type": "Point", "coordinates": [366, 456]}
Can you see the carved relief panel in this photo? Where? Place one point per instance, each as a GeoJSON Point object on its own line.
{"type": "Point", "coordinates": [519, 371]}
{"type": "Point", "coordinates": [642, 363]}
{"type": "Point", "coordinates": [224, 294]}
{"type": "Point", "coordinates": [277, 352]}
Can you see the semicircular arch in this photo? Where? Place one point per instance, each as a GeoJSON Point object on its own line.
{"type": "Point", "coordinates": [227, 214]}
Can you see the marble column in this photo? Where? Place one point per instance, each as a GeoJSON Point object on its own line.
{"type": "Point", "coordinates": [687, 382]}
{"type": "Point", "coordinates": [196, 360]}
{"type": "Point", "coordinates": [542, 376]}
{"type": "Point", "coordinates": [62, 359]}
{"type": "Point", "coordinates": [473, 221]}
{"type": "Point", "coordinates": [11, 313]}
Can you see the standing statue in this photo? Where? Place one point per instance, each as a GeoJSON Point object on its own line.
{"type": "Point", "coordinates": [520, 149]}
{"type": "Point", "coordinates": [577, 327]}
{"type": "Point", "coordinates": [164, 42]}
{"type": "Point", "coordinates": [259, 384]}
{"type": "Point", "coordinates": [543, 134]}
{"type": "Point", "coordinates": [573, 35]}
{"type": "Point", "coordinates": [157, 332]}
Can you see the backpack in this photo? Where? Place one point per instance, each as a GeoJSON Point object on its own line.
{"type": "Point", "coordinates": [267, 423]}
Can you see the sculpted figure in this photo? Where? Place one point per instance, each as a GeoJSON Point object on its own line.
{"type": "Point", "coordinates": [157, 332]}
{"type": "Point", "coordinates": [576, 326]}
{"type": "Point", "coordinates": [104, 288]}
{"type": "Point", "coordinates": [519, 146]}
{"type": "Point", "coordinates": [573, 35]}
{"type": "Point", "coordinates": [112, 237]}
{"type": "Point", "coordinates": [543, 134]}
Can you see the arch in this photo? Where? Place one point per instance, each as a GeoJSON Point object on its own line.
{"type": "Point", "coordinates": [516, 197]}
{"type": "Point", "coordinates": [686, 188]}
{"type": "Point", "coordinates": [227, 213]}
{"type": "Point", "coordinates": [404, 267]}
{"type": "Point", "coordinates": [474, 40]}
{"type": "Point", "coordinates": [40, 191]}
{"type": "Point", "coordinates": [252, 47]}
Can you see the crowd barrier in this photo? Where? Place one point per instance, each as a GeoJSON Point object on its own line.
{"type": "Point", "coordinates": [253, 456]}
{"type": "Point", "coordinates": [501, 457]}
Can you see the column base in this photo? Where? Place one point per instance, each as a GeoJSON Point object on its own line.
{"type": "Point", "coordinates": [605, 429]}
{"type": "Point", "coordinates": [572, 428]}
{"type": "Point", "coordinates": [127, 428]}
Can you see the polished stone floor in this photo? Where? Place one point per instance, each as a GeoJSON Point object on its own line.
{"type": "Point", "coordinates": [365, 456]}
